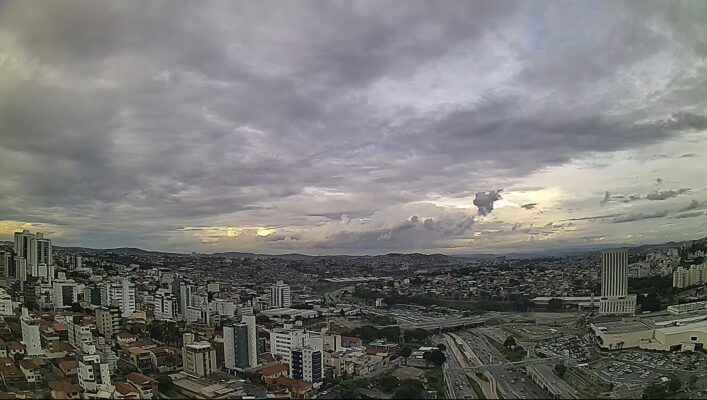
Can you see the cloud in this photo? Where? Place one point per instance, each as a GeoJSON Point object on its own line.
{"type": "Point", "coordinates": [607, 197]}
{"type": "Point", "coordinates": [290, 116]}
{"type": "Point", "coordinates": [529, 206]}
{"type": "Point", "coordinates": [689, 215]}
{"type": "Point", "coordinates": [658, 181]}
{"type": "Point", "coordinates": [516, 226]}
{"type": "Point", "coordinates": [666, 194]}
{"type": "Point", "coordinates": [484, 201]}
{"type": "Point", "coordinates": [638, 216]}
{"type": "Point", "coordinates": [694, 204]}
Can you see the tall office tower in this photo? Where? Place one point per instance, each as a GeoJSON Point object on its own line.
{"type": "Point", "coordinates": [241, 344]}
{"type": "Point", "coordinates": [307, 364]}
{"type": "Point", "coordinates": [186, 290]}
{"type": "Point", "coordinates": [42, 248]}
{"type": "Point", "coordinates": [22, 243]}
{"type": "Point", "coordinates": [5, 261]}
{"type": "Point", "coordinates": [614, 284]}
{"type": "Point", "coordinates": [21, 269]}
{"type": "Point", "coordinates": [280, 296]}
{"type": "Point", "coordinates": [235, 347]}
{"type": "Point", "coordinates": [128, 293]}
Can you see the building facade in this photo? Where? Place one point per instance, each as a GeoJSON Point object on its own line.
{"type": "Point", "coordinates": [614, 284]}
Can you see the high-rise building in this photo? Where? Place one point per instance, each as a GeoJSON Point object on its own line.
{"type": "Point", "coordinates": [94, 377]}
{"type": "Point", "coordinates": [614, 284]}
{"type": "Point", "coordinates": [241, 344]}
{"type": "Point", "coordinates": [307, 364]}
{"type": "Point", "coordinates": [5, 303]}
{"type": "Point", "coordinates": [64, 293]}
{"type": "Point", "coordinates": [108, 320]}
{"type": "Point", "coordinates": [22, 244]}
{"type": "Point", "coordinates": [280, 296]}
{"type": "Point", "coordinates": [121, 294]}
{"type": "Point", "coordinates": [42, 248]}
{"type": "Point", "coordinates": [5, 267]}
{"type": "Point", "coordinates": [30, 335]}
{"type": "Point", "coordinates": [79, 333]}
{"type": "Point", "coordinates": [186, 290]}
{"type": "Point", "coordinates": [165, 305]}
{"type": "Point", "coordinates": [198, 358]}
{"type": "Point", "coordinates": [283, 340]}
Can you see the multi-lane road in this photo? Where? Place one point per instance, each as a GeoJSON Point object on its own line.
{"type": "Point", "coordinates": [511, 383]}
{"type": "Point", "coordinates": [455, 378]}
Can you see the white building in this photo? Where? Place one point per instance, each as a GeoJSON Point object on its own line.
{"type": "Point", "coordinates": [614, 284]}
{"type": "Point", "coordinates": [241, 344]}
{"type": "Point", "coordinates": [307, 364]}
{"type": "Point", "coordinates": [42, 250]}
{"type": "Point", "coordinates": [79, 333]}
{"type": "Point", "coordinates": [198, 358]}
{"type": "Point", "coordinates": [224, 307]}
{"type": "Point", "coordinates": [283, 340]}
{"type": "Point", "coordinates": [280, 296]}
{"type": "Point", "coordinates": [64, 293]}
{"type": "Point", "coordinates": [5, 303]}
{"type": "Point", "coordinates": [30, 335]}
{"type": "Point", "coordinates": [165, 305]}
{"type": "Point", "coordinates": [94, 377]}
{"type": "Point", "coordinates": [120, 294]}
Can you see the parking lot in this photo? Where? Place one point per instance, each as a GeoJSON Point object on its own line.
{"type": "Point", "coordinates": [573, 347]}
{"type": "Point", "coordinates": [686, 362]}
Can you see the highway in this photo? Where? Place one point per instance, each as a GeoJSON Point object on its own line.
{"type": "Point", "coordinates": [455, 378]}
{"type": "Point", "coordinates": [512, 383]}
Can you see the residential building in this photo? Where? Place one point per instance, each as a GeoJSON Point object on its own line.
{"type": "Point", "coordinates": [146, 386]}
{"type": "Point", "coordinates": [64, 390]}
{"type": "Point", "coordinates": [165, 305]}
{"type": "Point", "coordinates": [78, 331]}
{"type": "Point", "coordinates": [108, 321]}
{"type": "Point", "coordinates": [198, 358]}
{"type": "Point", "coordinates": [30, 335]}
{"type": "Point", "coordinates": [280, 296]}
{"type": "Point", "coordinates": [307, 364]}
{"type": "Point", "coordinates": [94, 377]}
{"type": "Point", "coordinates": [64, 293]}
{"type": "Point", "coordinates": [283, 340]}
{"type": "Point", "coordinates": [235, 346]}
{"type": "Point", "coordinates": [5, 303]}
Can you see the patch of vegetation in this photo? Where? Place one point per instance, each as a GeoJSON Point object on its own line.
{"type": "Point", "coordinates": [435, 380]}
{"type": "Point", "coordinates": [410, 389]}
{"type": "Point", "coordinates": [516, 353]}
{"type": "Point", "coordinates": [662, 390]}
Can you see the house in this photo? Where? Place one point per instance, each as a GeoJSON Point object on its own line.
{"type": "Point", "coordinates": [145, 385]}
{"type": "Point", "coordinates": [15, 348]}
{"type": "Point", "coordinates": [69, 368]}
{"type": "Point", "coordinates": [144, 344]}
{"type": "Point", "coordinates": [297, 389]}
{"type": "Point", "coordinates": [64, 390]}
{"type": "Point", "coordinates": [273, 371]}
{"type": "Point", "coordinates": [30, 368]}
{"type": "Point", "coordinates": [165, 359]}
{"type": "Point", "coordinates": [125, 391]}
{"type": "Point", "coordinates": [141, 358]}
{"type": "Point", "coordinates": [351, 341]}
{"type": "Point", "coordinates": [9, 373]}
{"type": "Point", "coordinates": [125, 338]}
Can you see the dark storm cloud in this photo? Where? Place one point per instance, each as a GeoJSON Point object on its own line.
{"type": "Point", "coordinates": [606, 198]}
{"type": "Point", "coordinates": [124, 119]}
{"type": "Point", "coordinates": [529, 206]}
{"type": "Point", "coordinates": [484, 201]}
{"type": "Point", "coordinates": [637, 216]}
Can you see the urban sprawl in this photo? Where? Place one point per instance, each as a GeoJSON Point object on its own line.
{"type": "Point", "coordinates": [79, 323]}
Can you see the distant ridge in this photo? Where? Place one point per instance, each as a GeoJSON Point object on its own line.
{"type": "Point", "coordinates": [393, 257]}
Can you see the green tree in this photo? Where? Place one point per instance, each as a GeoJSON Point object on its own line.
{"type": "Point", "coordinates": [655, 391]}
{"type": "Point", "coordinates": [442, 347]}
{"type": "Point", "coordinates": [560, 370]}
{"type": "Point", "coordinates": [389, 383]}
{"type": "Point", "coordinates": [409, 389]}
{"type": "Point", "coordinates": [510, 342]}
{"type": "Point", "coordinates": [349, 390]}
{"type": "Point", "coordinates": [674, 384]}
{"type": "Point", "coordinates": [435, 357]}
{"type": "Point", "coordinates": [555, 304]}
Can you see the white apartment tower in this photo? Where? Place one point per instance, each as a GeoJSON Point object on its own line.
{"type": "Point", "coordinates": [30, 334]}
{"type": "Point", "coordinates": [198, 358]}
{"type": "Point", "coordinates": [614, 284]}
{"type": "Point", "coordinates": [119, 294]}
{"type": "Point", "coordinates": [280, 296]}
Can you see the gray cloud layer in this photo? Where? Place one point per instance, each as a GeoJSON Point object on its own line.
{"type": "Point", "coordinates": [125, 123]}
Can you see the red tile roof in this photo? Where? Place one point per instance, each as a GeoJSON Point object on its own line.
{"type": "Point", "coordinates": [139, 379]}
{"type": "Point", "coordinates": [293, 384]}
{"type": "Point", "coordinates": [63, 386]}
{"type": "Point", "coordinates": [272, 370]}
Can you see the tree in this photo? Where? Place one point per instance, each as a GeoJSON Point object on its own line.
{"type": "Point", "coordinates": [510, 342]}
{"type": "Point", "coordinates": [560, 370]}
{"type": "Point", "coordinates": [435, 357]}
{"type": "Point", "coordinates": [442, 347]}
{"type": "Point", "coordinates": [76, 307]}
{"type": "Point", "coordinates": [556, 304]}
{"type": "Point", "coordinates": [655, 391]}
{"type": "Point", "coordinates": [349, 390]}
{"type": "Point", "coordinates": [389, 383]}
{"type": "Point", "coordinates": [409, 389]}
{"type": "Point", "coordinates": [674, 384]}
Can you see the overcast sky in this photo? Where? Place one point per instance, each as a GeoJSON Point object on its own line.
{"type": "Point", "coordinates": [355, 126]}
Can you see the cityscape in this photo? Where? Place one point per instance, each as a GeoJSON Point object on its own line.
{"type": "Point", "coordinates": [353, 199]}
{"type": "Point", "coordinates": [129, 323]}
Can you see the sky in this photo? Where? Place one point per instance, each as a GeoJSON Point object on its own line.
{"type": "Point", "coordinates": [353, 127]}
